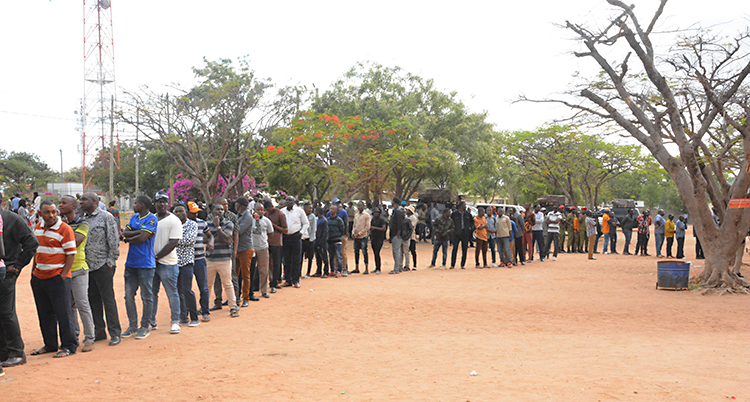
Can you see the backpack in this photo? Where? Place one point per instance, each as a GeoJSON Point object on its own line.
{"type": "Point", "coordinates": [406, 229]}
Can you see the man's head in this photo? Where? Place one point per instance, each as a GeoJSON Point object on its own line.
{"type": "Point", "coordinates": [49, 212]}
{"type": "Point", "coordinates": [447, 212]}
{"type": "Point", "coordinates": [67, 205]}
{"type": "Point", "coordinates": [395, 202]}
{"type": "Point", "coordinates": [462, 206]}
{"type": "Point", "coordinates": [588, 213]}
{"type": "Point", "coordinates": [409, 210]}
{"type": "Point", "coordinates": [308, 208]}
{"type": "Point", "coordinates": [480, 212]}
{"type": "Point", "coordinates": [631, 211]}
{"type": "Point", "coordinates": [223, 202]}
{"type": "Point", "coordinates": [161, 202]}
{"type": "Point", "coordinates": [537, 208]}
{"type": "Point", "coordinates": [361, 206]}
{"type": "Point", "coordinates": [241, 204]}
{"type": "Point", "coordinates": [89, 202]}
{"type": "Point", "coordinates": [181, 212]}
{"type": "Point", "coordinates": [511, 211]}
{"type": "Point", "coordinates": [290, 202]}
{"type": "Point", "coordinates": [319, 212]}
{"type": "Point", "coordinates": [192, 210]}
{"type": "Point", "coordinates": [218, 210]}
{"type": "Point", "coordinates": [268, 205]}
{"type": "Point", "coordinates": [375, 212]}
{"type": "Point", "coordinates": [661, 212]}
{"type": "Point", "coordinates": [334, 211]}
{"type": "Point", "coordinates": [142, 204]}
{"type": "Point", "coordinates": [259, 209]}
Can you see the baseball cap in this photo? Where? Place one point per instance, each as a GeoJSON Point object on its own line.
{"type": "Point", "coordinates": [193, 207]}
{"type": "Point", "coordinates": [161, 195]}
{"type": "Point", "coordinates": [335, 200]}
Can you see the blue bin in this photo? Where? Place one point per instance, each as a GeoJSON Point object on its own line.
{"type": "Point", "coordinates": [673, 275]}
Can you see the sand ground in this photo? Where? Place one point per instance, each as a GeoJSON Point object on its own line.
{"type": "Point", "coordinates": [565, 330]}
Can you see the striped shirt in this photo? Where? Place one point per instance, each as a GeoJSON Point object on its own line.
{"type": "Point", "coordinates": [200, 250]}
{"type": "Point", "coordinates": [222, 251]}
{"type": "Point", "coordinates": [55, 243]}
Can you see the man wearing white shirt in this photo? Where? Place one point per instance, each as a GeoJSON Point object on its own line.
{"type": "Point", "coordinates": [296, 224]}
{"type": "Point", "coordinates": [538, 230]}
{"type": "Point", "coordinates": [308, 238]}
{"type": "Point", "coordinates": [553, 231]}
{"type": "Point", "coordinates": [167, 272]}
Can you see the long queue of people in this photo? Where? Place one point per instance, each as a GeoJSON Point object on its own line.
{"type": "Point", "coordinates": [257, 246]}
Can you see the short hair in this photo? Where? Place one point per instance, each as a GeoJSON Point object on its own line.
{"type": "Point", "coordinates": [307, 204]}
{"type": "Point", "coordinates": [480, 209]}
{"type": "Point", "coordinates": [319, 210]}
{"type": "Point", "coordinates": [179, 206]}
{"type": "Point", "coordinates": [68, 196]}
{"type": "Point", "coordinates": [243, 201]}
{"type": "Point", "coordinates": [143, 199]}
{"type": "Point", "coordinates": [267, 204]}
{"type": "Point", "coordinates": [46, 202]}
{"type": "Point", "coordinates": [218, 200]}
{"type": "Point", "coordinates": [396, 201]}
{"type": "Point", "coordinates": [460, 204]}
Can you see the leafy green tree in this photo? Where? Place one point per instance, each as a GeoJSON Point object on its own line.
{"type": "Point", "coordinates": [23, 172]}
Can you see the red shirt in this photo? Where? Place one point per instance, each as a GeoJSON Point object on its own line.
{"type": "Point", "coordinates": [55, 244]}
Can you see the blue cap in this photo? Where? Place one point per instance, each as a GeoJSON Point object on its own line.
{"type": "Point", "coordinates": [335, 200]}
{"type": "Point", "coordinates": [403, 202]}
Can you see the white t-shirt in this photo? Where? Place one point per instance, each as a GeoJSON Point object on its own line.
{"type": "Point", "coordinates": [261, 229]}
{"type": "Point", "coordinates": [538, 221]}
{"type": "Point", "coordinates": [169, 228]}
{"type": "Point", "coordinates": [554, 222]}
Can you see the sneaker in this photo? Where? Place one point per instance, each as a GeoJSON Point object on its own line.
{"type": "Point", "coordinates": [377, 271]}
{"type": "Point", "coordinates": [175, 329]}
{"type": "Point", "coordinates": [215, 307]}
{"type": "Point", "coordinates": [431, 266]}
{"type": "Point", "coordinates": [554, 258]}
{"type": "Point", "coordinates": [296, 285]}
{"type": "Point", "coordinates": [443, 267]}
{"type": "Point", "coordinates": [87, 347]}
{"type": "Point", "coordinates": [463, 267]}
{"type": "Point", "coordinates": [152, 326]}
{"type": "Point", "coordinates": [494, 265]}
{"type": "Point", "coordinates": [356, 271]}
{"type": "Point", "coordinates": [128, 333]}
{"type": "Point", "coordinates": [234, 313]}
{"type": "Point", "coordinates": [266, 296]}
{"type": "Point", "coordinates": [194, 323]}
{"type": "Point", "coordinates": [393, 272]}
{"type": "Point", "coordinates": [206, 318]}
{"type": "Point", "coordinates": [332, 275]}
{"type": "Point", "coordinates": [305, 277]}
{"type": "Point", "coordinates": [345, 274]}
{"type": "Point", "coordinates": [523, 263]}
{"type": "Point", "coordinates": [2, 373]}
{"type": "Point", "coordinates": [184, 322]}
{"type": "Point", "coordinates": [142, 333]}
{"type": "Point", "coordinates": [606, 252]}
{"type": "Point", "coordinates": [366, 272]}
{"type": "Point", "coordinates": [509, 265]}
{"type": "Point", "coordinates": [338, 275]}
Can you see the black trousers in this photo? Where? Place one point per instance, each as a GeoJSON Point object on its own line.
{"type": "Point", "coordinates": [698, 249]}
{"type": "Point", "coordinates": [102, 300]}
{"type": "Point", "coordinates": [321, 256]}
{"type": "Point", "coordinates": [274, 272]}
{"type": "Point", "coordinates": [464, 242]}
{"type": "Point", "coordinates": [308, 251]}
{"type": "Point", "coordinates": [538, 239]}
{"type": "Point", "coordinates": [680, 247]}
{"type": "Point", "coordinates": [413, 251]}
{"type": "Point", "coordinates": [377, 245]}
{"type": "Point", "coordinates": [292, 247]}
{"type": "Point", "coordinates": [642, 245]}
{"type": "Point", "coordinates": [670, 242]}
{"type": "Point", "coordinates": [52, 297]}
{"type": "Point", "coordinates": [518, 253]}
{"type": "Point", "coordinates": [11, 343]}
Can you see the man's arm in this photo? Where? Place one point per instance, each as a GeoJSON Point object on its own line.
{"type": "Point", "coordinates": [29, 244]}
{"type": "Point", "coordinates": [140, 237]}
{"type": "Point", "coordinates": [68, 264]}
{"type": "Point", "coordinates": [113, 239]}
{"type": "Point", "coordinates": [305, 222]}
{"type": "Point", "coordinates": [171, 244]}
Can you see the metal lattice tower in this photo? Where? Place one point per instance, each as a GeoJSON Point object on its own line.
{"type": "Point", "coordinates": [98, 81]}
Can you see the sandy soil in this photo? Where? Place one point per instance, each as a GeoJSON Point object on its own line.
{"type": "Point", "coordinates": [566, 330]}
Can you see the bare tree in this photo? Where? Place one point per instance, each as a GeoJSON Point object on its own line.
{"type": "Point", "coordinates": [692, 101]}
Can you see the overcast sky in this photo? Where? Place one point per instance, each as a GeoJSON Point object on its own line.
{"type": "Point", "coordinates": [487, 51]}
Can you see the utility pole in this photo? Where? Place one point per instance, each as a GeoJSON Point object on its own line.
{"type": "Point", "coordinates": [111, 151]}
{"type": "Point", "coordinates": [137, 146]}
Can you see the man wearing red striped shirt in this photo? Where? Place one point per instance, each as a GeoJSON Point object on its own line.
{"type": "Point", "coordinates": [51, 281]}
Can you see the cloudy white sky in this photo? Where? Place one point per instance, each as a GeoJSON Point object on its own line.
{"type": "Point", "coordinates": [487, 51]}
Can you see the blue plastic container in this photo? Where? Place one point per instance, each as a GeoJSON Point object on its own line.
{"type": "Point", "coordinates": [673, 275]}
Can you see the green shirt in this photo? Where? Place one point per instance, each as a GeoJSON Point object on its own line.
{"type": "Point", "coordinates": [81, 227]}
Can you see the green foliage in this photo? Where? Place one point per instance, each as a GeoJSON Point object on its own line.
{"type": "Point", "coordinates": [23, 172]}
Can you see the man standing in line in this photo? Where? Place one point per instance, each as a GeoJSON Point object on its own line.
{"type": "Point", "coordinates": [519, 252]}
{"type": "Point", "coordinates": [680, 236]}
{"type": "Point", "coordinates": [574, 230]}
{"type": "Point", "coordinates": [245, 251]}
{"type": "Point", "coordinates": [262, 227]}
{"type": "Point", "coordinates": [553, 220]}
{"type": "Point", "coordinates": [321, 243]}
{"type": "Point", "coordinates": [644, 221]}
{"type": "Point", "coordinates": [231, 217]}
{"type": "Point", "coordinates": [346, 217]}
{"type": "Point", "coordinates": [538, 232]}
{"type": "Point", "coordinates": [421, 222]}
{"type": "Point", "coordinates": [50, 281]}
{"type": "Point", "coordinates": [20, 247]}
{"type": "Point", "coordinates": [504, 228]}
{"type": "Point", "coordinates": [308, 238]}
{"type": "Point", "coordinates": [480, 223]}
{"type": "Point", "coordinates": [79, 272]}
{"type": "Point", "coordinates": [199, 262]}
{"type": "Point", "coordinates": [443, 228]}
{"type": "Point", "coordinates": [336, 232]}
{"type": "Point", "coordinates": [140, 266]}
{"type": "Point", "coordinates": [102, 251]}
{"type": "Point", "coordinates": [167, 270]}
{"type": "Point", "coordinates": [613, 224]}
{"type": "Point", "coordinates": [627, 224]}
{"type": "Point", "coordinates": [669, 231]}
{"type": "Point", "coordinates": [659, 223]}
{"type": "Point", "coordinates": [297, 223]}
{"type": "Point", "coordinates": [396, 223]}
{"type": "Point", "coordinates": [220, 234]}
{"type": "Point", "coordinates": [605, 230]}
{"type": "Point", "coordinates": [378, 229]}
{"type": "Point", "coordinates": [434, 215]}
{"type": "Point", "coordinates": [584, 243]}
{"type": "Point", "coordinates": [275, 251]}
{"type": "Point", "coordinates": [360, 230]}
{"type": "Point", "coordinates": [591, 231]}
{"type": "Point", "coordinates": [186, 262]}
{"type": "Point", "coordinates": [464, 226]}
{"type": "Point", "coordinates": [412, 241]}
{"type": "Point", "coordinates": [492, 234]}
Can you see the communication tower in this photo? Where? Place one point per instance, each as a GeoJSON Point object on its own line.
{"type": "Point", "coordinates": [99, 87]}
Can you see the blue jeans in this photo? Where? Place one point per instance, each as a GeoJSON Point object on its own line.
{"type": "Point", "coordinates": [334, 254]}
{"type": "Point", "coordinates": [436, 247]}
{"type": "Point", "coordinates": [187, 296]}
{"type": "Point", "coordinates": [503, 247]}
{"type": "Point", "coordinates": [135, 278]}
{"type": "Point", "coordinates": [167, 275]}
{"type": "Point", "coordinates": [199, 271]}
{"type": "Point", "coordinates": [628, 235]}
{"type": "Point", "coordinates": [659, 237]}
{"type": "Point", "coordinates": [606, 242]}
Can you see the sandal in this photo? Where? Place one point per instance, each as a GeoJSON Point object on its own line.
{"type": "Point", "coordinates": [62, 353]}
{"type": "Point", "coordinates": [40, 351]}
